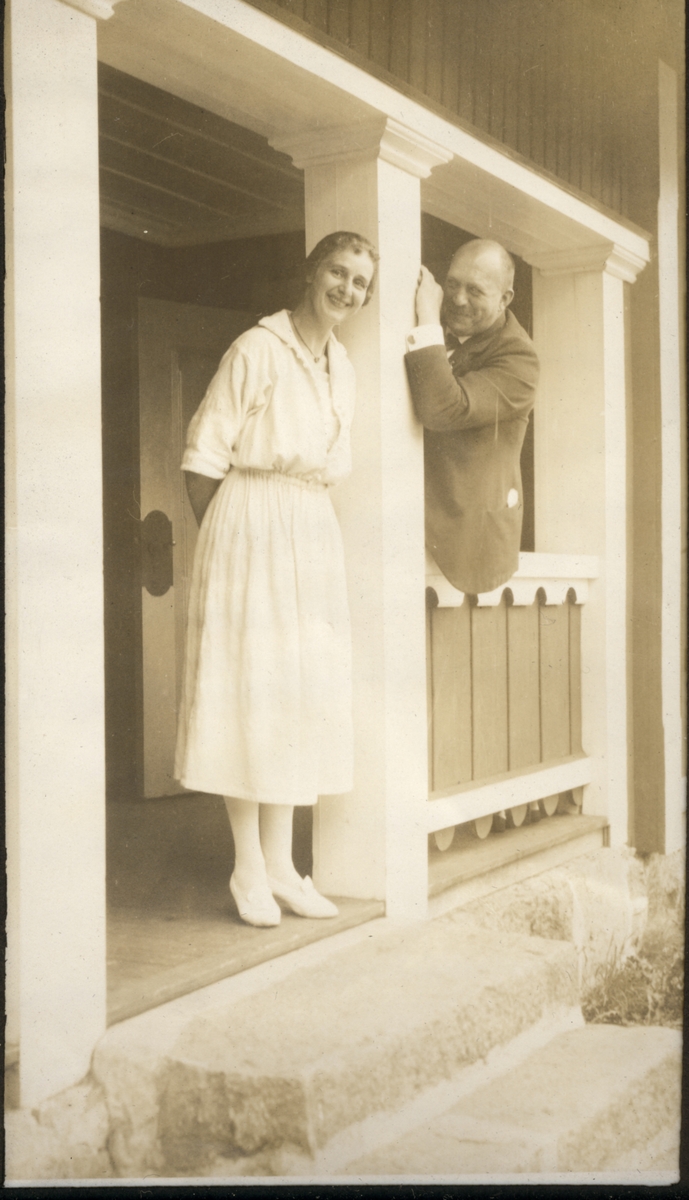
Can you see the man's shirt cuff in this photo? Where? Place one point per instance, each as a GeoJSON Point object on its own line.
{"type": "Point", "coordinates": [425, 335]}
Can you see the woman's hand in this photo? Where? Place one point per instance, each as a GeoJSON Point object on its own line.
{"type": "Point", "coordinates": [200, 490]}
{"type": "Point", "coordinates": [429, 299]}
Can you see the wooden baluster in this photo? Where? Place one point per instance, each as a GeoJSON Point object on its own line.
{"type": "Point", "coordinates": [489, 700]}
{"type": "Point", "coordinates": [523, 686]}
{"type": "Point", "coordinates": [554, 666]}
{"type": "Point", "coordinates": [443, 838]}
{"type": "Point", "coordinates": [482, 826]}
{"type": "Point", "coordinates": [489, 690]}
{"type": "Point", "coordinates": [429, 684]}
{"type": "Point", "coordinates": [554, 676]}
{"type": "Point", "coordinates": [549, 804]}
{"type": "Point", "coordinates": [575, 745]}
{"type": "Point", "coordinates": [451, 650]}
{"type": "Point", "coordinates": [524, 734]}
{"type": "Point", "coordinates": [448, 650]}
{"type": "Point", "coordinates": [572, 801]}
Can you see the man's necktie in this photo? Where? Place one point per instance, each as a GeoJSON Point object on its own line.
{"type": "Point", "coordinates": [458, 353]}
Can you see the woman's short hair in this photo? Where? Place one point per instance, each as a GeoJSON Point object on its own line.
{"type": "Point", "coordinates": [342, 240]}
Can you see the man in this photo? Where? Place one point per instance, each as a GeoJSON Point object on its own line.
{"type": "Point", "coordinates": [472, 371]}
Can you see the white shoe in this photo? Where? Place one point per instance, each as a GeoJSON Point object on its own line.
{"type": "Point", "coordinates": [302, 898]}
{"type": "Point", "coordinates": [257, 906]}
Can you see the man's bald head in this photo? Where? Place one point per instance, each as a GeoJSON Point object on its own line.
{"type": "Point", "coordinates": [478, 287]}
{"type": "Point", "coordinates": [492, 255]}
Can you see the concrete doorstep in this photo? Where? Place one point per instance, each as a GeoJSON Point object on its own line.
{"type": "Point", "coordinates": [450, 1049]}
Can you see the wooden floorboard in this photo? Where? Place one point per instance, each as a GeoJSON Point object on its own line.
{"type": "Point", "coordinates": [152, 960]}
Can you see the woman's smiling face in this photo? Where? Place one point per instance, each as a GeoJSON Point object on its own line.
{"type": "Point", "coordinates": [340, 285]}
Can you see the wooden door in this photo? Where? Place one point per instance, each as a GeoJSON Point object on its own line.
{"type": "Point", "coordinates": [180, 346]}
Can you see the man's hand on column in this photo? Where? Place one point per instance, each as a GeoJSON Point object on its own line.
{"type": "Point", "coordinates": [429, 298]}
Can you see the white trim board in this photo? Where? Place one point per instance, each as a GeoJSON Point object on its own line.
{"type": "Point", "coordinates": [507, 791]}
{"type": "Point", "coordinates": [671, 332]}
{"type": "Point", "coordinates": [555, 574]}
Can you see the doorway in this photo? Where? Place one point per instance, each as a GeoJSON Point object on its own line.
{"type": "Point", "coordinates": [202, 233]}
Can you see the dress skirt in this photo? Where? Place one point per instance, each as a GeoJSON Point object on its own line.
{"type": "Point", "coordinates": [266, 710]}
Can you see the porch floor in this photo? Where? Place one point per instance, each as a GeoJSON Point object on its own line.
{"type": "Point", "coordinates": [172, 926]}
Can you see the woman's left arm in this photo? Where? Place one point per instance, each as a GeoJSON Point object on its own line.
{"type": "Point", "coordinates": [216, 424]}
{"type": "Point", "coordinates": [200, 490]}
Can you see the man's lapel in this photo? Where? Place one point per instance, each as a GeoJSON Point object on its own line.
{"type": "Point", "coordinates": [463, 352]}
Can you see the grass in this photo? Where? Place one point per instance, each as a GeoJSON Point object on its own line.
{"type": "Point", "coordinates": [641, 990]}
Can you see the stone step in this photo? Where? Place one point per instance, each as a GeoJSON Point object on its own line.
{"type": "Point", "coordinates": [597, 1099]}
{"type": "Point", "coordinates": [330, 1045]}
{"type": "Point", "coordinates": [598, 901]}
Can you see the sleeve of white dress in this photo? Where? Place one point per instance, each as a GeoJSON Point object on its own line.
{"type": "Point", "coordinates": [215, 426]}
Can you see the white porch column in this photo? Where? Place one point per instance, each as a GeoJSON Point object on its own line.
{"type": "Point", "coordinates": [671, 332]}
{"type": "Point", "coordinates": [55, 731]}
{"type": "Point", "coordinates": [373, 843]}
{"type": "Point", "coordinates": [580, 471]}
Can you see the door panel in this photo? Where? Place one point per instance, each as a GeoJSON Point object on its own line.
{"type": "Point", "coordinates": [180, 346]}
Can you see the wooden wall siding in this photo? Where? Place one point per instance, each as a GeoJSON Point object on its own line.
{"type": "Point", "coordinates": [504, 689]}
{"type": "Point", "coordinates": [551, 79]}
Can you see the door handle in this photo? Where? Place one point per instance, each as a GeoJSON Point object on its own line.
{"type": "Point", "coordinates": [156, 553]}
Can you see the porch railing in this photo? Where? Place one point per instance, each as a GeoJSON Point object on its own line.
{"type": "Point", "coordinates": [504, 689]}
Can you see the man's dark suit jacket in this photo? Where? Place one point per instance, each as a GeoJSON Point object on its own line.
{"type": "Point", "coordinates": [475, 410]}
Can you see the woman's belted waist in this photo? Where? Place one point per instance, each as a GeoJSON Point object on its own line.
{"type": "Point", "coordinates": [311, 485]}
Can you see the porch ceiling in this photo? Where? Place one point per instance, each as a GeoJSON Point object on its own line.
{"type": "Point", "coordinates": [233, 60]}
{"type": "Point", "coordinates": [177, 174]}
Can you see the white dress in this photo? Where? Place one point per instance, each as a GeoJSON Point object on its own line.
{"type": "Point", "coordinates": [266, 709]}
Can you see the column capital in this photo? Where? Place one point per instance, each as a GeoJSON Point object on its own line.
{"type": "Point", "coordinates": [379, 138]}
{"type": "Point", "coordinates": [602, 256]}
{"type": "Point", "coordinates": [102, 10]}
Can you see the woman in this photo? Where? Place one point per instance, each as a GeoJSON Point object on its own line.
{"type": "Point", "coordinates": [265, 719]}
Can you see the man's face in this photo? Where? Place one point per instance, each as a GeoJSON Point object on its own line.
{"type": "Point", "coordinates": [475, 293]}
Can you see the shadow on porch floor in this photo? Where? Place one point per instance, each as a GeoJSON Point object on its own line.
{"type": "Point", "coordinates": [172, 926]}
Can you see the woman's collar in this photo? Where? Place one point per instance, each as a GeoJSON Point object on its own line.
{"type": "Point", "coordinates": [279, 323]}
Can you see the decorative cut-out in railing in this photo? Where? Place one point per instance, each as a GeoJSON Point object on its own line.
{"type": "Point", "coordinates": [550, 578]}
